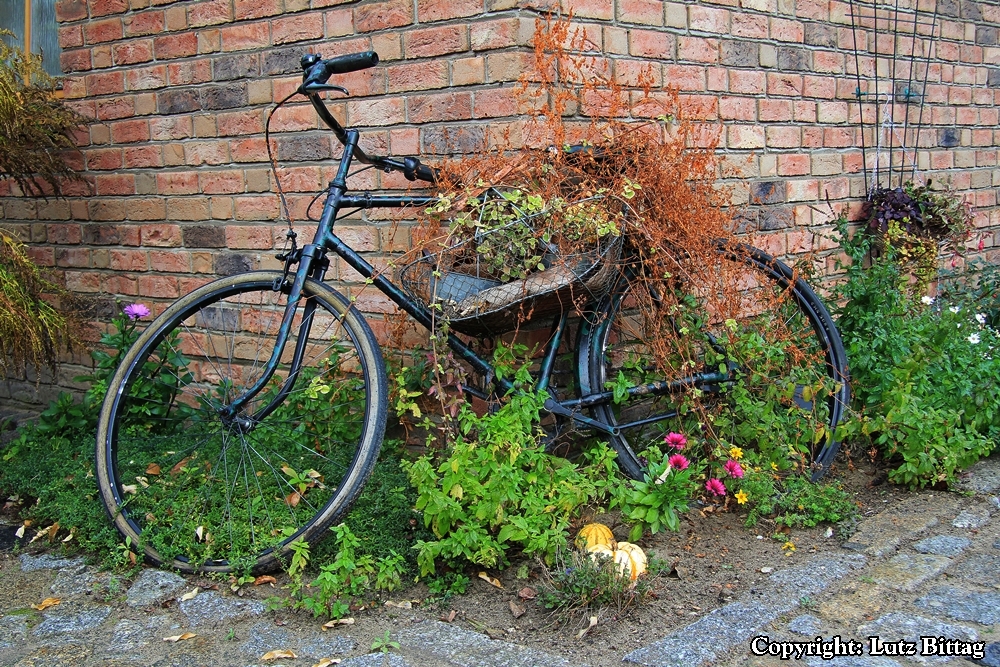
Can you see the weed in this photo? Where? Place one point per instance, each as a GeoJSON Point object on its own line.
{"type": "Point", "coordinates": [385, 643]}
{"type": "Point", "coordinates": [578, 582]}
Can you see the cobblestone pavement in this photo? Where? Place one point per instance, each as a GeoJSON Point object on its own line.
{"type": "Point", "coordinates": [925, 568]}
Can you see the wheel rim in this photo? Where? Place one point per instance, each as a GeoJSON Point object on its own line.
{"type": "Point", "coordinates": [207, 490]}
{"type": "Point", "coordinates": [774, 340]}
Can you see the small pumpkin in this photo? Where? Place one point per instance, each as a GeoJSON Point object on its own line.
{"type": "Point", "coordinates": [598, 552]}
{"type": "Point", "coordinates": [631, 559]}
{"type": "Point", "coordinates": [595, 533]}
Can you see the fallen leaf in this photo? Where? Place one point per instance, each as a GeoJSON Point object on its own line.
{"type": "Point", "coordinates": [130, 488]}
{"type": "Point", "coordinates": [46, 603]}
{"type": "Point", "coordinates": [152, 469]}
{"type": "Point", "coordinates": [450, 617]}
{"type": "Point", "coordinates": [493, 581]}
{"type": "Point", "coordinates": [405, 604]}
{"type": "Point", "coordinates": [338, 621]}
{"type": "Point", "coordinates": [53, 530]}
{"type": "Point", "coordinates": [293, 498]}
{"type": "Point", "coordinates": [69, 537]}
{"type": "Point", "coordinates": [527, 593]}
{"type": "Point", "coordinates": [266, 579]}
{"type": "Point", "coordinates": [326, 662]}
{"type": "Point", "coordinates": [180, 638]}
{"type": "Point", "coordinates": [19, 533]}
{"type": "Point", "coordinates": [517, 610]}
{"type": "Point", "coordinates": [277, 654]}
{"type": "Point", "coordinates": [593, 622]}
{"type": "Point", "coordinates": [180, 464]}
{"type": "Point", "coordinates": [191, 595]}
{"type": "Point", "coordinates": [199, 531]}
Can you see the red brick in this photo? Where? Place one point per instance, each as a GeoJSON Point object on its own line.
{"type": "Point", "coordinates": [43, 256]}
{"type": "Point", "coordinates": [784, 84]}
{"type": "Point", "coordinates": [132, 52]}
{"type": "Point", "coordinates": [175, 46]}
{"type": "Point", "coordinates": [436, 107]}
{"type": "Point", "coordinates": [243, 122]}
{"type": "Point", "coordinates": [442, 10]}
{"type": "Point", "coordinates": [188, 208]}
{"type": "Point", "coordinates": [836, 137]}
{"type": "Point", "coordinates": [105, 83]}
{"type": "Point", "coordinates": [774, 110]}
{"type": "Point", "coordinates": [146, 78]}
{"type": "Point", "coordinates": [255, 9]}
{"type": "Point", "coordinates": [646, 12]}
{"type": "Point", "coordinates": [206, 152]}
{"type": "Point", "coordinates": [784, 30]}
{"type": "Point", "coordinates": [297, 28]}
{"type": "Point", "coordinates": [414, 76]}
{"type": "Point", "coordinates": [221, 182]}
{"type": "Point", "coordinates": [108, 30]}
{"type": "Point", "coordinates": [249, 150]}
{"type": "Point", "coordinates": [188, 72]}
{"type": "Point", "coordinates": [793, 165]}
{"type": "Point", "coordinates": [139, 157]}
{"type": "Point", "coordinates": [212, 12]}
{"type": "Point", "coordinates": [70, 36]}
{"type": "Point", "coordinates": [651, 43]}
{"type": "Point", "coordinates": [163, 287]}
{"type": "Point", "coordinates": [160, 235]}
{"type": "Point", "coordinates": [144, 209]}
{"type": "Point", "coordinates": [380, 112]}
{"type": "Point", "coordinates": [495, 103]}
{"type": "Point", "coordinates": [590, 9]}
{"type": "Point", "coordinates": [698, 49]}
{"type": "Point", "coordinates": [80, 281]}
{"type": "Point", "coordinates": [130, 131]}
{"type": "Point", "coordinates": [163, 129]}
{"type": "Point", "coordinates": [426, 42]}
{"type": "Point", "coordinates": [177, 183]}
{"type": "Point", "coordinates": [115, 184]}
{"type": "Point", "coordinates": [68, 234]}
{"type": "Point", "coordinates": [788, 136]}
{"type": "Point", "coordinates": [708, 19]}
{"type": "Point", "coordinates": [170, 262]}
{"type": "Point", "coordinates": [257, 238]}
{"type": "Point", "coordinates": [128, 260]}
{"type": "Point", "coordinates": [737, 108]}
{"type": "Point", "coordinates": [104, 158]}
{"type": "Point", "coordinates": [383, 15]}
{"type": "Point", "coordinates": [71, 10]}
{"type": "Point", "coordinates": [685, 77]}
{"type": "Point", "coordinates": [107, 7]}
{"type": "Point", "coordinates": [145, 23]}
{"type": "Point", "coordinates": [245, 36]}
{"type": "Point", "coordinates": [498, 34]}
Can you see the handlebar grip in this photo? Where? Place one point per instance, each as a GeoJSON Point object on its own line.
{"type": "Point", "coordinates": [351, 62]}
{"type": "Point", "coordinates": [425, 173]}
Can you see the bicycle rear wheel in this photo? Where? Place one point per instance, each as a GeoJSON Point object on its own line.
{"type": "Point", "coordinates": [198, 490]}
{"type": "Point", "coordinates": [760, 367]}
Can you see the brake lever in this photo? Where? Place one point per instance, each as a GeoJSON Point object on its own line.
{"type": "Point", "coordinates": [307, 89]}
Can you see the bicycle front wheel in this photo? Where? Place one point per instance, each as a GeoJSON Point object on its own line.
{"type": "Point", "coordinates": [198, 488]}
{"type": "Point", "coordinates": [742, 353]}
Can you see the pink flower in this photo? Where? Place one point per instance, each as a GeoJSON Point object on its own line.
{"type": "Point", "coordinates": [734, 469]}
{"type": "Point", "coordinates": [715, 487]}
{"type": "Point", "coordinates": [678, 461]}
{"type": "Point", "coordinates": [675, 440]}
{"type": "Point", "coordinates": [135, 311]}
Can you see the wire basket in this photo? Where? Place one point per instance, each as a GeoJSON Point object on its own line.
{"type": "Point", "coordinates": [455, 285]}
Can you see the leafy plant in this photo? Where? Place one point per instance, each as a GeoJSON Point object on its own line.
{"type": "Point", "coordinates": [35, 127]}
{"type": "Point", "coordinates": [385, 643]}
{"type": "Point", "coordinates": [657, 500]}
{"type": "Point", "coordinates": [32, 329]}
{"type": "Point", "coordinates": [576, 582]}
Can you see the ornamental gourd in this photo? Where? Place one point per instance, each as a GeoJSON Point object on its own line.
{"type": "Point", "coordinates": [595, 533]}
{"type": "Point", "coordinates": [631, 559]}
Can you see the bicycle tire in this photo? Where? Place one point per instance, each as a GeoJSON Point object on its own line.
{"type": "Point", "coordinates": [806, 333]}
{"type": "Point", "coordinates": [197, 492]}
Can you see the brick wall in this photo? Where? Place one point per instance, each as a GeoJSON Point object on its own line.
{"type": "Point", "coordinates": [178, 189]}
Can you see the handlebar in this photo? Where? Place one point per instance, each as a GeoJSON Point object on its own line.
{"type": "Point", "coordinates": [315, 74]}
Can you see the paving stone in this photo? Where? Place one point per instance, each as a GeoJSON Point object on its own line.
{"type": "Point", "coordinates": [806, 624]}
{"type": "Point", "coordinates": [13, 630]}
{"type": "Point", "coordinates": [855, 603]}
{"type": "Point", "coordinates": [67, 621]}
{"type": "Point", "coordinates": [943, 545]}
{"type": "Point", "coordinates": [266, 637]}
{"type": "Point", "coordinates": [377, 660]}
{"type": "Point", "coordinates": [991, 657]}
{"type": "Point", "coordinates": [895, 626]}
{"type": "Point", "coordinates": [31, 563]}
{"type": "Point", "coordinates": [978, 569]}
{"type": "Point", "coordinates": [904, 572]}
{"type": "Point", "coordinates": [74, 580]}
{"type": "Point", "coordinates": [962, 605]}
{"type": "Point", "coordinates": [972, 518]}
{"type": "Point", "coordinates": [128, 635]}
{"type": "Point", "coordinates": [854, 661]}
{"type": "Point", "coordinates": [720, 630]}
{"type": "Point", "coordinates": [211, 608]}
{"type": "Point", "coordinates": [63, 655]}
{"type": "Point", "coordinates": [152, 586]}
{"type": "Point", "coordinates": [882, 533]}
{"type": "Point", "coordinates": [445, 642]}
{"type": "Point", "coordinates": [983, 476]}
{"type": "Point", "coordinates": [326, 645]}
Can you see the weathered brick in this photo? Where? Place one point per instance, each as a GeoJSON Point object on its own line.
{"type": "Point", "coordinates": [428, 42]}
{"type": "Point", "coordinates": [645, 12]}
{"type": "Point", "coordinates": [145, 23]}
{"type": "Point", "coordinates": [212, 12]}
{"type": "Point", "coordinates": [230, 96]}
{"type": "Point", "coordinates": [237, 66]}
{"type": "Point", "coordinates": [163, 235]}
{"type": "Point", "coordinates": [382, 15]}
{"type": "Point", "coordinates": [204, 236]}
{"type": "Point", "coordinates": [297, 28]}
{"type": "Point", "coordinates": [245, 36]}
{"type": "Point", "coordinates": [175, 46]}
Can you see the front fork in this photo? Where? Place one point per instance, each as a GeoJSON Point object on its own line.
{"type": "Point", "coordinates": [312, 260]}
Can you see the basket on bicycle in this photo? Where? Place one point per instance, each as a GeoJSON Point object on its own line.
{"type": "Point", "coordinates": [475, 289]}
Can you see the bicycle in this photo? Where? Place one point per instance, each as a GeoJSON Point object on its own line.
{"type": "Point", "coordinates": [250, 413]}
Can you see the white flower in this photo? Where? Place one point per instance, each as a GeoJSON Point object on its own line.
{"type": "Point", "coordinates": [927, 300]}
{"type": "Point", "coordinates": [981, 318]}
{"type": "Point", "coordinates": [974, 338]}
{"type": "Point", "coordinates": [954, 309]}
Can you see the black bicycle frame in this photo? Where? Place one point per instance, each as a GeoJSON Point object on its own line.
{"type": "Point", "coordinates": [313, 264]}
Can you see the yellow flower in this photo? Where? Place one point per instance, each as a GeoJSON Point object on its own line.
{"type": "Point", "coordinates": [789, 545]}
{"type": "Point", "coordinates": [736, 453]}
{"type": "Point", "coordinates": [774, 466]}
{"type": "Point", "coordinates": [741, 496]}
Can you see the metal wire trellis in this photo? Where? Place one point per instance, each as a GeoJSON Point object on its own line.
{"type": "Point", "coordinates": [891, 87]}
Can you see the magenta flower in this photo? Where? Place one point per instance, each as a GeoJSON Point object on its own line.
{"type": "Point", "coordinates": [715, 487]}
{"type": "Point", "coordinates": [675, 440]}
{"type": "Point", "coordinates": [135, 311]}
{"type": "Point", "coordinates": [678, 461]}
{"type": "Point", "coordinates": [734, 469]}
